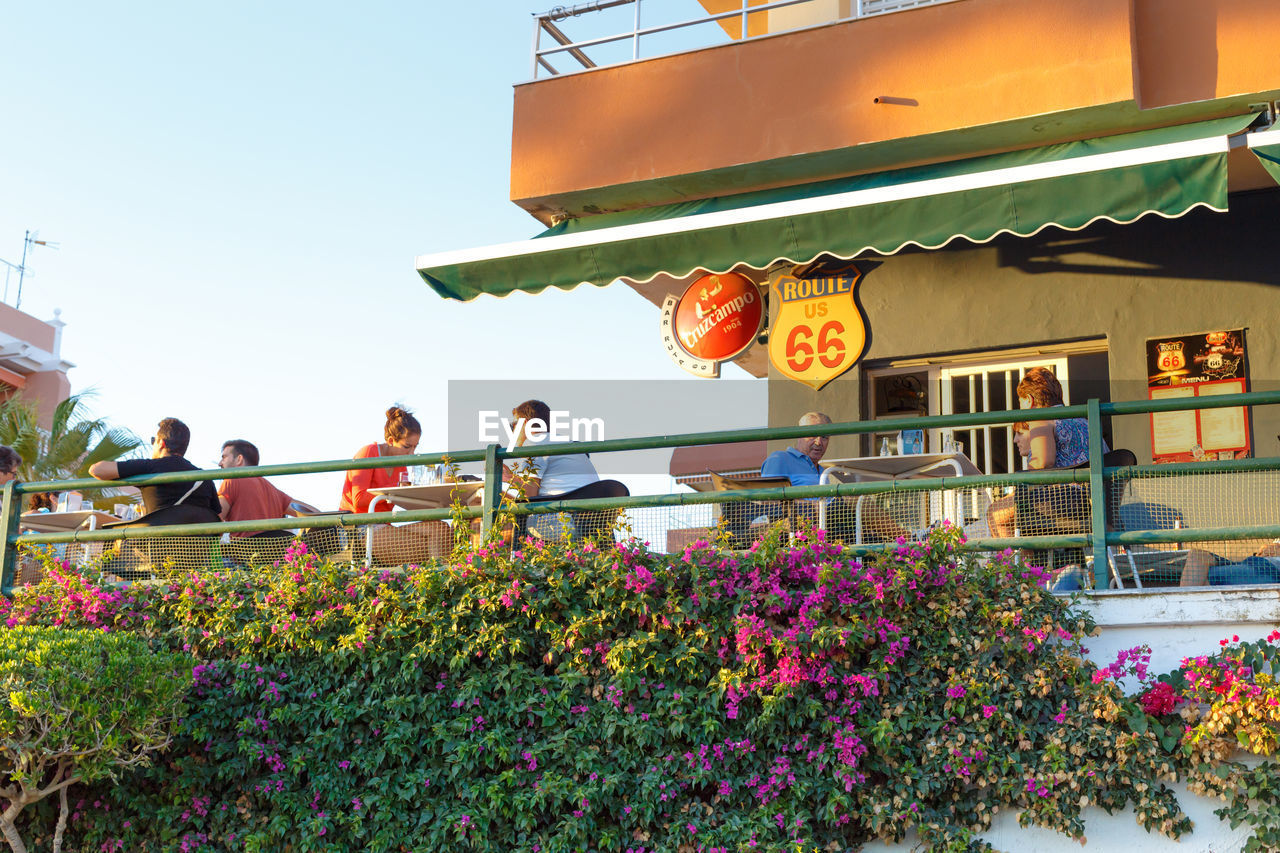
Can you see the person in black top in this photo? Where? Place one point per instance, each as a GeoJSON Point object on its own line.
{"type": "Point", "coordinates": [166, 503]}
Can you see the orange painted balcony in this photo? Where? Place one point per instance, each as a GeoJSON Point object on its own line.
{"type": "Point", "coordinates": [936, 82]}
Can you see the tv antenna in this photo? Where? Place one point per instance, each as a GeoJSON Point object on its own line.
{"type": "Point", "coordinates": [29, 240]}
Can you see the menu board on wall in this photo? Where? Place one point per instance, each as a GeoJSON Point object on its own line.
{"type": "Point", "coordinates": [1199, 365]}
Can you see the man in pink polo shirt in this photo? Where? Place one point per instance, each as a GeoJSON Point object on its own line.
{"type": "Point", "coordinates": [251, 498]}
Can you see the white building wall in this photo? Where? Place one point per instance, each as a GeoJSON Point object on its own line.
{"type": "Point", "coordinates": [1175, 624]}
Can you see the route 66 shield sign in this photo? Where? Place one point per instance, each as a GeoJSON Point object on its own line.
{"type": "Point", "coordinates": [818, 332]}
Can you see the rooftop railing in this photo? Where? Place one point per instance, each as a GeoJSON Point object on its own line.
{"type": "Point", "coordinates": [642, 37]}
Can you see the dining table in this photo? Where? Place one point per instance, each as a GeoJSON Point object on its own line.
{"type": "Point", "coordinates": [62, 522]}
{"type": "Point", "coordinates": [430, 496]}
{"type": "Point", "coordinates": [911, 466]}
{"type": "Point", "coordinates": [65, 522]}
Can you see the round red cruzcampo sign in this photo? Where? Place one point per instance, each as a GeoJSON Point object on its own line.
{"type": "Point", "coordinates": [718, 316]}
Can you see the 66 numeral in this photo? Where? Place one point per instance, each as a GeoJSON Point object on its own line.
{"type": "Point", "coordinates": [830, 348]}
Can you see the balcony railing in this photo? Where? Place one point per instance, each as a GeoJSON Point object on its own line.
{"type": "Point", "coordinates": [1222, 501]}
{"type": "Point", "coordinates": [627, 30]}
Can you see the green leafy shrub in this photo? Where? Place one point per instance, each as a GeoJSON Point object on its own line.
{"type": "Point", "coordinates": [81, 705]}
{"type": "Point", "coordinates": [613, 699]}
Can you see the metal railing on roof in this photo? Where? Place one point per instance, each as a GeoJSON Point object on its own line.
{"type": "Point", "coordinates": [740, 20]}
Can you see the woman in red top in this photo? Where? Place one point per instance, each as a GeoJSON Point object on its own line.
{"type": "Point", "coordinates": [409, 543]}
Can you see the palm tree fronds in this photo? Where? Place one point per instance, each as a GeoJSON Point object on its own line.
{"type": "Point", "coordinates": [73, 442]}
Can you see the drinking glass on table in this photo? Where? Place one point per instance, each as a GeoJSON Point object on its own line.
{"type": "Point", "coordinates": [418, 475]}
{"type": "Point", "coordinates": [404, 478]}
{"type": "Point", "coordinates": [949, 443]}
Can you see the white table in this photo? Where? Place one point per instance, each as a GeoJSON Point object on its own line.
{"type": "Point", "coordinates": [64, 522]}
{"type": "Point", "coordinates": [434, 496]}
{"type": "Point", "coordinates": [906, 467]}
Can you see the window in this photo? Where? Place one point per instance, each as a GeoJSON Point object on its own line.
{"type": "Point", "coordinates": [988, 388]}
{"type": "Point", "coordinates": [980, 382]}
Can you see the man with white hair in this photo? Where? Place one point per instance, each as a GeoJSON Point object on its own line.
{"type": "Point", "coordinates": [799, 464]}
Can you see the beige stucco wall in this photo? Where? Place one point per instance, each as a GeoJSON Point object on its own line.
{"type": "Point", "coordinates": [1121, 283]}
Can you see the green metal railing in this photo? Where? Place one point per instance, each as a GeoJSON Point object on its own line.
{"type": "Point", "coordinates": [1096, 476]}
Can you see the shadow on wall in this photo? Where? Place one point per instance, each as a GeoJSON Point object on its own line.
{"type": "Point", "coordinates": [1203, 245]}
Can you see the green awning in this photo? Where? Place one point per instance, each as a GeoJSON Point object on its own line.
{"type": "Point", "coordinates": [1266, 145]}
{"type": "Point", "coordinates": [1121, 178]}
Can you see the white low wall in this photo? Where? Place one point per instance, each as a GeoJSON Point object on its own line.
{"type": "Point", "coordinates": [1178, 623]}
{"type": "Point", "coordinates": [1175, 624]}
{"type": "Point", "coordinates": [1104, 833]}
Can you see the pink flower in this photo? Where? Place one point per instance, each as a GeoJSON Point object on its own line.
{"type": "Point", "coordinates": [1160, 700]}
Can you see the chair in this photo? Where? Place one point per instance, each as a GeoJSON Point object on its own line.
{"type": "Point", "coordinates": [586, 524]}
{"type": "Point", "coordinates": [1149, 561]}
{"type": "Point", "coordinates": [139, 558]}
{"type": "Point", "coordinates": [739, 515]}
{"type": "Point", "coordinates": [1116, 459]}
{"type": "Point", "coordinates": [339, 544]}
{"type": "Point", "coordinates": [1065, 509]}
{"type": "Point", "coordinates": [256, 549]}
{"type": "Point", "coordinates": [874, 517]}
{"type": "Point", "coordinates": [1169, 565]}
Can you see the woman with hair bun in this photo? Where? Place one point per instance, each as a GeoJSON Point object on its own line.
{"type": "Point", "coordinates": [409, 543]}
{"type": "Point", "coordinates": [402, 433]}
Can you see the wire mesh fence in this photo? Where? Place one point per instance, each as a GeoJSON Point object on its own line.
{"type": "Point", "coordinates": [1191, 525]}
{"type": "Point", "coordinates": [868, 519]}
{"type": "Point", "coordinates": [1174, 500]}
{"type": "Point", "coordinates": [1005, 509]}
{"type": "Point", "coordinates": [155, 553]}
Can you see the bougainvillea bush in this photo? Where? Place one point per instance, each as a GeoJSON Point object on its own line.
{"type": "Point", "coordinates": [1223, 705]}
{"type": "Point", "coordinates": [792, 697]}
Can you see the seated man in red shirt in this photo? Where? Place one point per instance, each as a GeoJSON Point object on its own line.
{"type": "Point", "coordinates": [251, 498]}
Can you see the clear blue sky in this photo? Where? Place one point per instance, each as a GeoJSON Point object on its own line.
{"type": "Point", "coordinates": [239, 191]}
